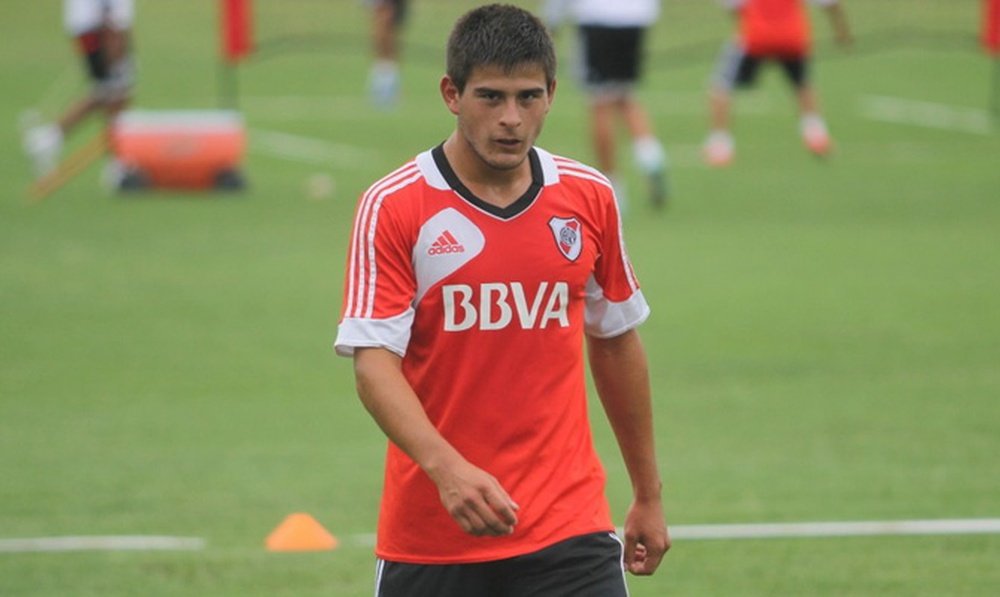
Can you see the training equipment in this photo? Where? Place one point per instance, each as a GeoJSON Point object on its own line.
{"type": "Point", "coordinates": [69, 168]}
{"type": "Point", "coordinates": [991, 27]}
{"type": "Point", "coordinates": [236, 24]}
{"type": "Point", "coordinates": [300, 532]}
{"type": "Point", "coordinates": [320, 186]}
{"type": "Point", "coordinates": [179, 149]}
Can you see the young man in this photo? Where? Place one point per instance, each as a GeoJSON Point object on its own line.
{"type": "Point", "coordinates": [778, 31]}
{"type": "Point", "coordinates": [388, 17]}
{"type": "Point", "coordinates": [474, 274]}
{"type": "Point", "coordinates": [612, 36]}
{"type": "Point", "coordinates": [102, 31]}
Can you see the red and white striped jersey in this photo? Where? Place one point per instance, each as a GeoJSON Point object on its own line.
{"type": "Point", "coordinates": [487, 308]}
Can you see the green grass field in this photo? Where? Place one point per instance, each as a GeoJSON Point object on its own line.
{"type": "Point", "coordinates": [825, 344]}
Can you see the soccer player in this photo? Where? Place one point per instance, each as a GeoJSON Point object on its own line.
{"type": "Point", "coordinates": [612, 36]}
{"type": "Point", "coordinates": [102, 30]}
{"type": "Point", "coordinates": [770, 31]}
{"type": "Point", "coordinates": [388, 17]}
{"type": "Point", "coordinates": [475, 273]}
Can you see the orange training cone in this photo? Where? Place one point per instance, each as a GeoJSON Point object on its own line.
{"type": "Point", "coordinates": [300, 532]}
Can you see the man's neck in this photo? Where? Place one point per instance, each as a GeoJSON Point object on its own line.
{"type": "Point", "coordinates": [492, 185]}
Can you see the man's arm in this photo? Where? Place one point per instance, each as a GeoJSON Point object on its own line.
{"type": "Point", "coordinates": [621, 375]}
{"type": "Point", "coordinates": [472, 497]}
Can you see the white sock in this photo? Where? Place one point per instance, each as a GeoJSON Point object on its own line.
{"type": "Point", "coordinates": [813, 121]}
{"type": "Point", "coordinates": [649, 155]}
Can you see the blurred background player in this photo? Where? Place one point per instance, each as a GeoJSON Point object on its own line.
{"type": "Point", "coordinates": [612, 35]}
{"type": "Point", "coordinates": [388, 17]}
{"type": "Point", "coordinates": [102, 32]}
{"type": "Point", "coordinates": [778, 31]}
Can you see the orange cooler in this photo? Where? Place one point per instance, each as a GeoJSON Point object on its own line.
{"type": "Point", "coordinates": [189, 149]}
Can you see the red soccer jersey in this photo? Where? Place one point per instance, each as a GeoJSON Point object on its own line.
{"type": "Point", "coordinates": [488, 308]}
{"type": "Point", "coordinates": [775, 27]}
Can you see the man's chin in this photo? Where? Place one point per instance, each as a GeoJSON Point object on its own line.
{"type": "Point", "coordinates": [506, 162]}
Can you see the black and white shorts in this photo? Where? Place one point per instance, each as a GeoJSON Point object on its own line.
{"type": "Point", "coordinates": [584, 566]}
{"type": "Point", "coordinates": [737, 68]}
{"type": "Point", "coordinates": [611, 58]}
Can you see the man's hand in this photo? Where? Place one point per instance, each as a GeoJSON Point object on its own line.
{"type": "Point", "coordinates": [475, 500]}
{"type": "Point", "coordinates": [646, 537]}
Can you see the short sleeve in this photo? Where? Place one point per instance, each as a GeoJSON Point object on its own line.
{"type": "Point", "coordinates": [379, 283]}
{"type": "Point", "coordinates": [613, 302]}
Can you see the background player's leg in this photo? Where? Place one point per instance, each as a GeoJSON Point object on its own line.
{"type": "Point", "coordinates": [647, 150]}
{"type": "Point", "coordinates": [812, 127]}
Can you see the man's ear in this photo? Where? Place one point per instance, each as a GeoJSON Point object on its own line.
{"type": "Point", "coordinates": [450, 94]}
{"type": "Point", "coordinates": [552, 91]}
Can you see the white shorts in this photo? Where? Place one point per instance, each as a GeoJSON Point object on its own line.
{"type": "Point", "coordinates": [81, 16]}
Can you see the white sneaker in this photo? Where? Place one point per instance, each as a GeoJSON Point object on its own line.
{"type": "Point", "coordinates": [383, 84]}
{"type": "Point", "coordinates": [43, 144]}
{"type": "Point", "coordinates": [815, 136]}
{"type": "Point", "coordinates": [718, 149]}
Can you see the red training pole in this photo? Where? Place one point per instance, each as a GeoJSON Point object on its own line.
{"type": "Point", "coordinates": [991, 43]}
{"type": "Point", "coordinates": [237, 29]}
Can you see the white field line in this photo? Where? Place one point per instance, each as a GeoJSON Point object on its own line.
{"type": "Point", "coordinates": [99, 543]}
{"type": "Point", "coordinates": [805, 530]}
{"type": "Point", "coordinates": [926, 114]}
{"type": "Point", "coordinates": [973, 526]}
{"type": "Point", "coordinates": [309, 149]}
{"type": "Point", "coordinates": [802, 530]}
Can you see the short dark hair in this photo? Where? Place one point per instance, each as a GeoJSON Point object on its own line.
{"type": "Point", "coordinates": [499, 35]}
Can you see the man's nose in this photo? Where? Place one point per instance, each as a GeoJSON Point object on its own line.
{"type": "Point", "coordinates": [511, 113]}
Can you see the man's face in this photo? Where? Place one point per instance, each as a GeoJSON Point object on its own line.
{"type": "Point", "coordinates": [500, 114]}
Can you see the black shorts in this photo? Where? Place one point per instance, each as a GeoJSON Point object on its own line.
{"type": "Point", "coordinates": [584, 566]}
{"type": "Point", "coordinates": [91, 46]}
{"type": "Point", "coordinates": [612, 56]}
{"type": "Point", "coordinates": [737, 68]}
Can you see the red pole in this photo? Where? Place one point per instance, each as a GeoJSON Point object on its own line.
{"type": "Point", "coordinates": [237, 29]}
{"type": "Point", "coordinates": [236, 42]}
{"type": "Point", "coordinates": [991, 44]}
{"type": "Point", "coordinates": [991, 26]}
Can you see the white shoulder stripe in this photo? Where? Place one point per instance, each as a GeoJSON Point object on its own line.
{"type": "Point", "coordinates": [356, 264]}
{"type": "Point", "coordinates": [598, 178]}
{"type": "Point", "coordinates": [361, 264]}
{"type": "Point", "coordinates": [573, 168]}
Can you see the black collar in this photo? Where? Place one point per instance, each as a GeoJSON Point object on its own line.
{"type": "Point", "coordinates": [522, 203]}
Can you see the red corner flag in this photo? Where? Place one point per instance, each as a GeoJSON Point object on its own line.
{"type": "Point", "coordinates": [991, 26]}
{"type": "Point", "coordinates": [237, 29]}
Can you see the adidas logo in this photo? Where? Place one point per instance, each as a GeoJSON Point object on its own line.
{"type": "Point", "coordinates": [445, 243]}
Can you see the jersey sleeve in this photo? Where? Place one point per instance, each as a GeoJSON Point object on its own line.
{"type": "Point", "coordinates": [379, 283]}
{"type": "Point", "coordinates": [614, 303]}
